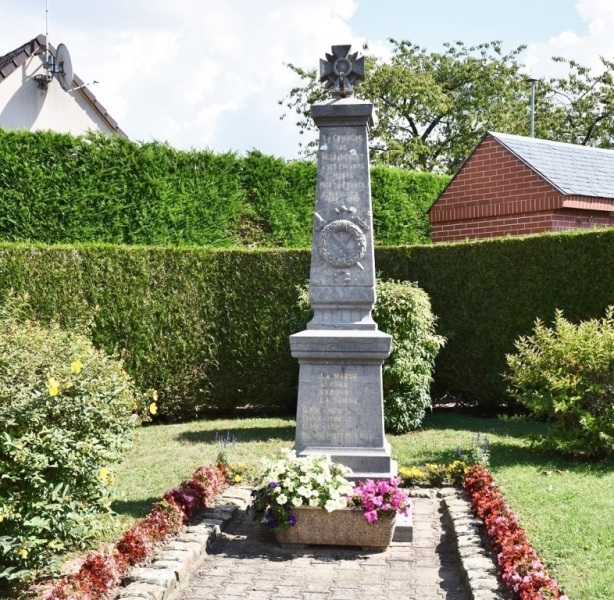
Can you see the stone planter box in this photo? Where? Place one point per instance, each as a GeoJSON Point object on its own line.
{"type": "Point", "coordinates": [346, 527]}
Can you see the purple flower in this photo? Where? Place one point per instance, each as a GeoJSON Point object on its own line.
{"type": "Point", "coordinates": [272, 524]}
{"type": "Point", "coordinates": [272, 485]}
{"type": "Point", "coordinates": [292, 520]}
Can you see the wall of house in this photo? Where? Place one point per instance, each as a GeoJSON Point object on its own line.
{"type": "Point", "coordinates": [493, 194]}
{"type": "Point", "coordinates": [496, 194]}
{"type": "Point", "coordinates": [569, 218]}
{"type": "Point", "coordinates": [512, 224]}
{"type": "Point", "coordinates": [24, 106]}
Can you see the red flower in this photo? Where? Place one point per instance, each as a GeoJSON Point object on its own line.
{"type": "Point", "coordinates": [100, 573]}
{"type": "Point", "coordinates": [521, 571]}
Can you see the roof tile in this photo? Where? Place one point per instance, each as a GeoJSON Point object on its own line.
{"type": "Point", "coordinates": [573, 169]}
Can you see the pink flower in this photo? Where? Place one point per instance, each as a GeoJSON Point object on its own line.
{"type": "Point", "coordinates": [371, 516]}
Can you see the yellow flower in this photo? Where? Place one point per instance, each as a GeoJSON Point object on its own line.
{"type": "Point", "coordinates": [238, 479]}
{"type": "Point", "coordinates": [153, 408]}
{"type": "Point", "coordinates": [53, 386]}
{"type": "Point", "coordinates": [1, 518]}
{"type": "Point", "coordinates": [154, 395]}
{"type": "Point", "coordinates": [22, 552]}
{"type": "Point", "coordinates": [103, 473]}
{"type": "Point", "coordinates": [76, 366]}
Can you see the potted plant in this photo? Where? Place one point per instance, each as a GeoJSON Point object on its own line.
{"type": "Point", "coordinates": [309, 500]}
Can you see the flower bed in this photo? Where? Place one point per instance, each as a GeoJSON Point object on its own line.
{"type": "Point", "coordinates": [520, 568]}
{"type": "Point", "coordinates": [101, 572]}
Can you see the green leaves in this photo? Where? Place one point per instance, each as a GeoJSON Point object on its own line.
{"type": "Point", "coordinates": [433, 107]}
{"type": "Point", "coordinates": [566, 373]}
{"type": "Point", "coordinates": [57, 438]}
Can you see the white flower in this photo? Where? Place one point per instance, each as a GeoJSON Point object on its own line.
{"type": "Point", "coordinates": [282, 499]}
{"type": "Point", "coordinates": [313, 501]}
{"type": "Point", "coordinates": [303, 491]}
{"type": "Point", "coordinates": [297, 501]}
{"type": "Point", "coordinates": [330, 505]}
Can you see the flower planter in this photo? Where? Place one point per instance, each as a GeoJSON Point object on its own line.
{"type": "Point", "coordinates": [346, 527]}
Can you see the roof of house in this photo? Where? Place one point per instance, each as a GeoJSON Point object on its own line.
{"type": "Point", "coordinates": [16, 58]}
{"type": "Point", "coordinates": [572, 169]}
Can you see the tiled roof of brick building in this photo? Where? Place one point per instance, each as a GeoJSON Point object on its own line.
{"type": "Point", "coordinates": [16, 58]}
{"type": "Point", "coordinates": [573, 169]}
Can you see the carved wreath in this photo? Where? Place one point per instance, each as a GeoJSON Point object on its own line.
{"type": "Point", "coordinates": [343, 250]}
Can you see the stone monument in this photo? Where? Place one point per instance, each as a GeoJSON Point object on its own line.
{"type": "Point", "coordinates": [340, 399]}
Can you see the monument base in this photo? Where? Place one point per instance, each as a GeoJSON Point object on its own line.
{"type": "Point", "coordinates": [340, 408]}
{"type": "Point", "coordinates": [366, 463]}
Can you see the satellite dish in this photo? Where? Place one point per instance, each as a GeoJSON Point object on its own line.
{"type": "Point", "coordinates": [63, 67]}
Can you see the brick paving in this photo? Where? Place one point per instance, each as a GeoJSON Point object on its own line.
{"type": "Point", "coordinates": [246, 563]}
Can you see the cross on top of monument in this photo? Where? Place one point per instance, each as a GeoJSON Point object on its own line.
{"type": "Point", "coordinates": [342, 71]}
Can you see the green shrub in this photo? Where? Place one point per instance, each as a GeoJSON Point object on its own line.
{"type": "Point", "coordinates": [403, 310]}
{"type": "Point", "coordinates": [67, 412]}
{"type": "Point", "coordinates": [59, 188]}
{"type": "Point", "coordinates": [566, 373]}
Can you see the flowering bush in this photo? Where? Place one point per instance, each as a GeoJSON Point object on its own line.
{"type": "Point", "coordinates": [67, 412]}
{"type": "Point", "coordinates": [520, 568]}
{"type": "Point", "coordinates": [434, 474]}
{"type": "Point", "coordinates": [381, 498]}
{"type": "Point", "coordinates": [316, 481]}
{"type": "Point", "coordinates": [101, 572]}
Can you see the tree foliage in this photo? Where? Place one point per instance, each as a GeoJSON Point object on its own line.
{"type": "Point", "coordinates": [433, 107]}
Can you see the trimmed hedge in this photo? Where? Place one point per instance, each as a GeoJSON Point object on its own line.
{"type": "Point", "coordinates": [487, 293]}
{"type": "Point", "coordinates": [208, 328]}
{"type": "Point", "coordinates": [201, 326]}
{"type": "Point", "coordinates": [56, 188]}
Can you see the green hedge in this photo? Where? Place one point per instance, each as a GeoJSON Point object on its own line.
{"type": "Point", "coordinates": [201, 326]}
{"type": "Point", "coordinates": [208, 328]}
{"type": "Point", "coordinates": [56, 188]}
{"type": "Point", "coordinates": [487, 293]}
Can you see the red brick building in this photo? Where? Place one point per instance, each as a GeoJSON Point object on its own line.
{"type": "Point", "coordinates": [514, 185]}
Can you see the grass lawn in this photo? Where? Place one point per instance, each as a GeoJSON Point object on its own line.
{"type": "Point", "coordinates": [566, 506]}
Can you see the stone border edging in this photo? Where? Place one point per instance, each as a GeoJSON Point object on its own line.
{"type": "Point", "coordinates": [478, 567]}
{"type": "Point", "coordinates": [177, 559]}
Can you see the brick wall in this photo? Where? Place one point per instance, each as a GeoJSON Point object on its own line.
{"type": "Point", "coordinates": [495, 194]}
{"type": "Point", "coordinates": [513, 224]}
{"type": "Point", "coordinates": [568, 218]}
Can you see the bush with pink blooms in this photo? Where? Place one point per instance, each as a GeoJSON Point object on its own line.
{"type": "Point", "coordinates": [380, 499]}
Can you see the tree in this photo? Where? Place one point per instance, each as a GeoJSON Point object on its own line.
{"type": "Point", "coordinates": [433, 108]}
{"type": "Point", "coordinates": [579, 108]}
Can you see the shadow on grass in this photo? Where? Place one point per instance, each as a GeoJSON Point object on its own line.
{"type": "Point", "coordinates": [511, 455]}
{"type": "Point", "coordinates": [134, 508]}
{"type": "Point", "coordinates": [444, 419]}
{"type": "Point", "coordinates": [284, 433]}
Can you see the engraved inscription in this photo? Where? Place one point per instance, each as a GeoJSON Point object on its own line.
{"type": "Point", "coordinates": [343, 167]}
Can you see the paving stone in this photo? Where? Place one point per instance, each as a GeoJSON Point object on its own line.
{"type": "Point", "coordinates": [246, 563]}
{"type": "Point", "coordinates": [142, 590]}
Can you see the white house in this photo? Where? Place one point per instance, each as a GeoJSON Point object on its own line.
{"type": "Point", "coordinates": [29, 99]}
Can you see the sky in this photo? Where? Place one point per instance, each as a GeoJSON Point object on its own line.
{"type": "Point", "coordinates": [210, 73]}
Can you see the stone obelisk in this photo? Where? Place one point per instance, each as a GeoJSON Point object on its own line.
{"type": "Point", "coordinates": [340, 399]}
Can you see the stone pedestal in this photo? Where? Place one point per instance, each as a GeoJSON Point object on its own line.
{"type": "Point", "coordinates": [340, 408]}
{"type": "Point", "coordinates": [340, 400]}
